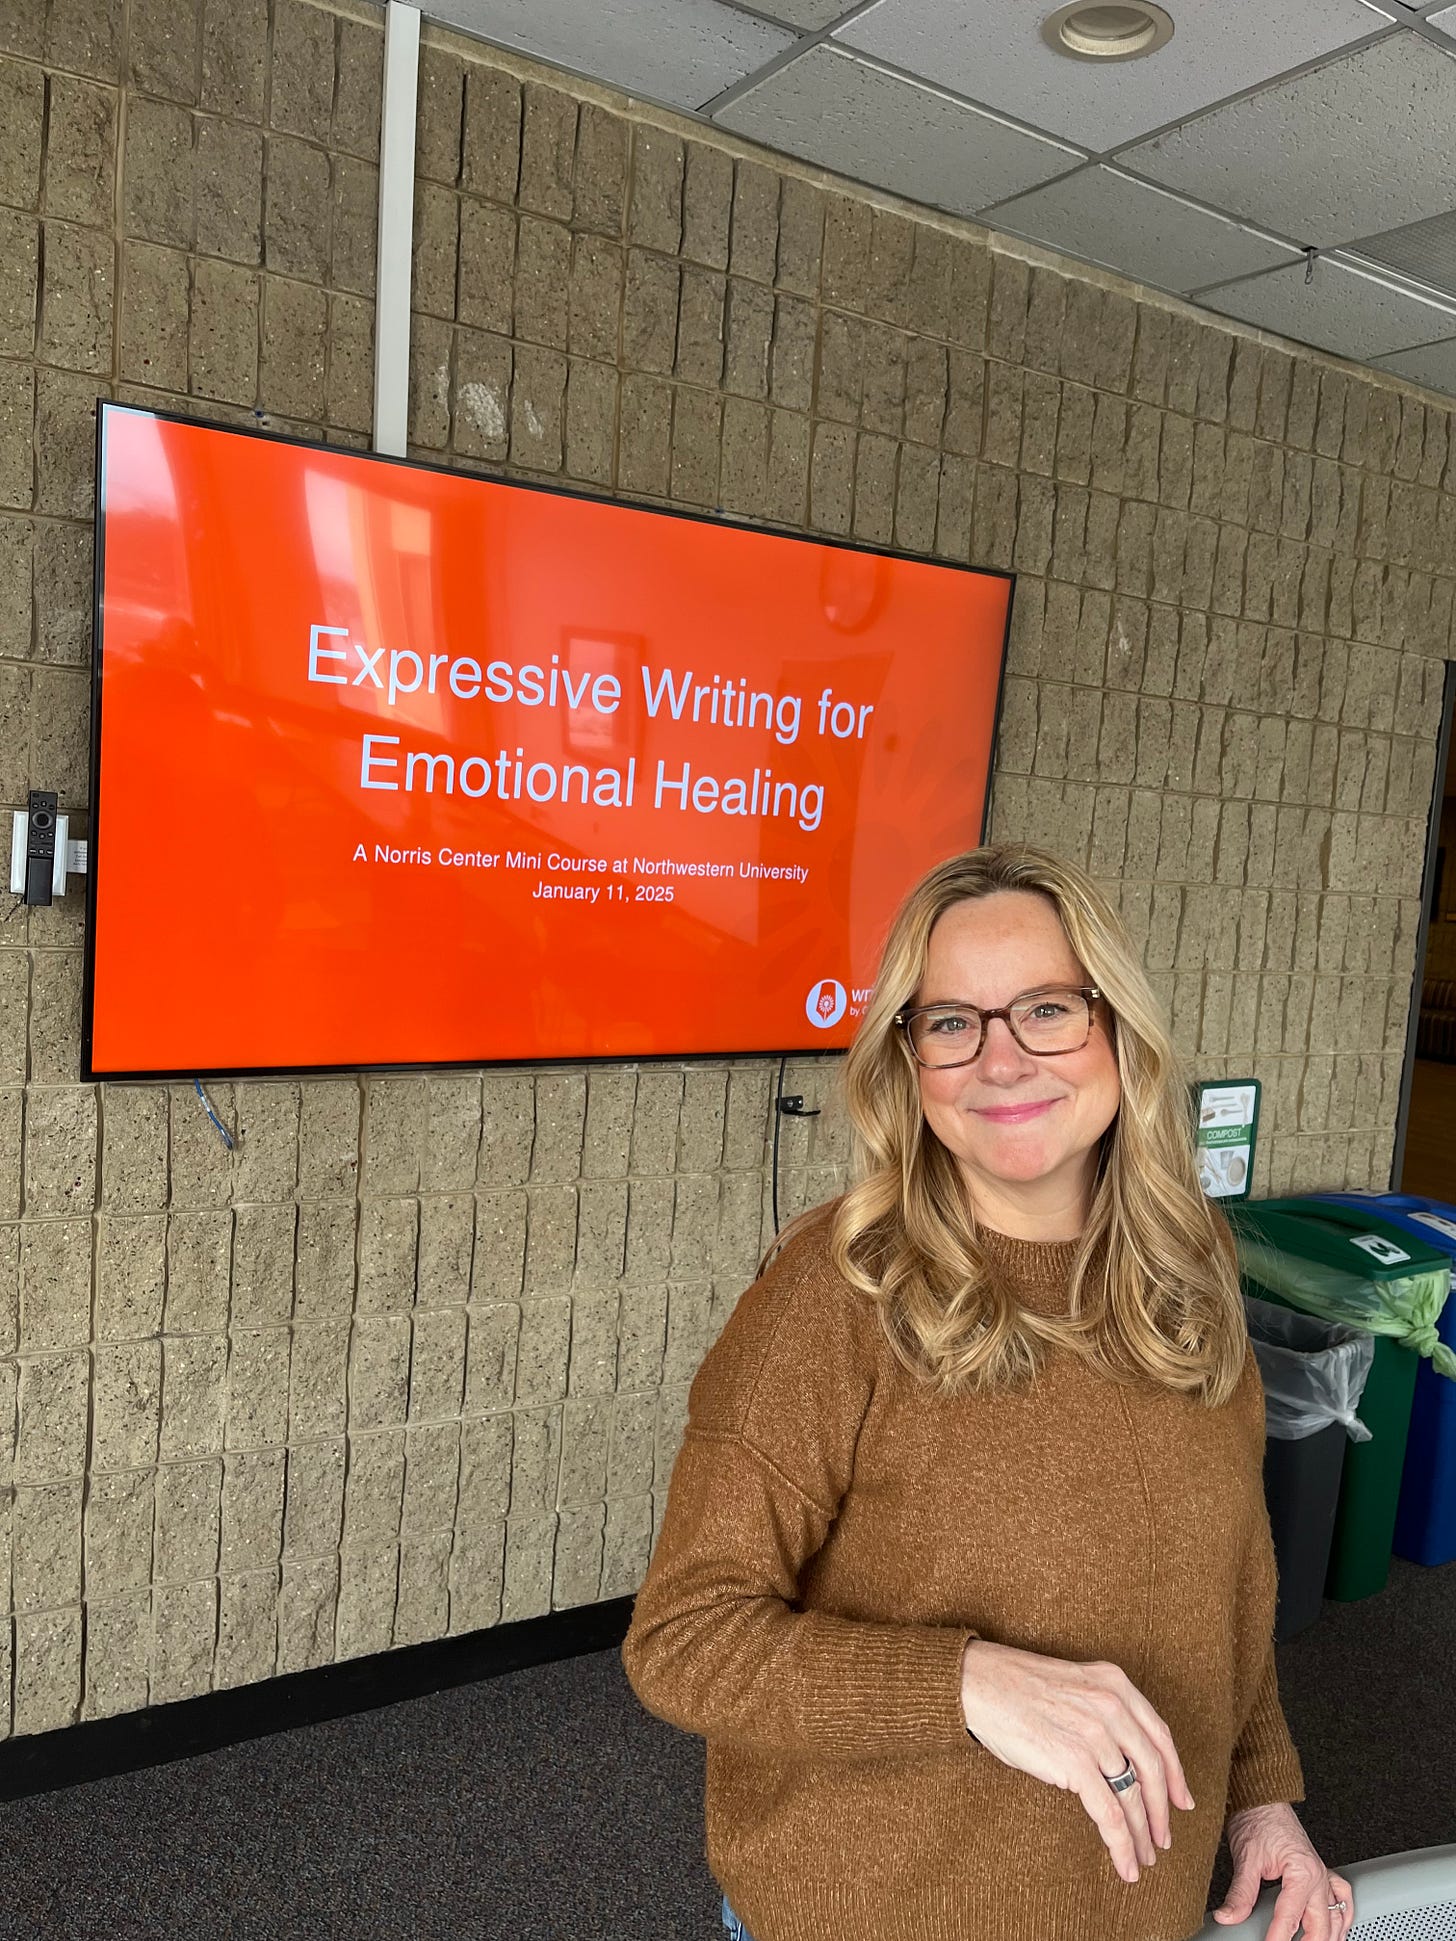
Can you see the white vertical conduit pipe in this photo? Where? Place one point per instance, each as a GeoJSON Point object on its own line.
{"type": "Point", "coordinates": [396, 227]}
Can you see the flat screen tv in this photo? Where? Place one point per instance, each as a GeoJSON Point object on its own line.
{"type": "Point", "coordinates": [395, 765]}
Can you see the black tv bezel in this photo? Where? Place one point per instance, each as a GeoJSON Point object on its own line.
{"type": "Point", "coordinates": [174, 1074]}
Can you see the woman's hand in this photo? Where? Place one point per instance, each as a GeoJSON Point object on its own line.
{"type": "Point", "coordinates": [1268, 1843]}
{"type": "Point", "coordinates": [1076, 1726]}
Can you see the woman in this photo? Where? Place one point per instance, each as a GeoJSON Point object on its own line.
{"type": "Point", "coordinates": [965, 1573]}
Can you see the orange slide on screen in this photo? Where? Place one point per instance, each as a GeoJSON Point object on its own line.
{"type": "Point", "coordinates": [398, 766]}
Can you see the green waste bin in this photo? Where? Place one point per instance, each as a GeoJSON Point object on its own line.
{"type": "Point", "coordinates": [1346, 1264]}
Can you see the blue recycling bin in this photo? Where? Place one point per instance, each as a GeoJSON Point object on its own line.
{"type": "Point", "coordinates": [1425, 1522]}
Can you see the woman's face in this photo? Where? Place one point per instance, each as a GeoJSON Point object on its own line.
{"type": "Point", "coordinates": [1023, 1129]}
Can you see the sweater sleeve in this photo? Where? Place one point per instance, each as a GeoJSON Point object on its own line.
{"type": "Point", "coordinates": [719, 1644]}
{"type": "Point", "coordinates": [1266, 1767]}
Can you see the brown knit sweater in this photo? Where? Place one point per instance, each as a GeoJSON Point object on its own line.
{"type": "Point", "coordinates": [833, 1536]}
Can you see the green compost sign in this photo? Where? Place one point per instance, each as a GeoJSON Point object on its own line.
{"type": "Point", "coordinates": [1226, 1124]}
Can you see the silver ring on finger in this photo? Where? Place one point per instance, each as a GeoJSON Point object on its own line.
{"type": "Point", "coordinates": [1339, 1907]}
{"type": "Point", "coordinates": [1119, 1782]}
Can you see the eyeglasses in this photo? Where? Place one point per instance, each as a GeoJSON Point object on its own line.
{"type": "Point", "coordinates": [1046, 1022]}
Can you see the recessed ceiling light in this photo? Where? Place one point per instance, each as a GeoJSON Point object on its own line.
{"type": "Point", "coordinates": [1091, 32]}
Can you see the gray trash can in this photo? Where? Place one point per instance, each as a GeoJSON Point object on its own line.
{"type": "Point", "coordinates": [1314, 1374]}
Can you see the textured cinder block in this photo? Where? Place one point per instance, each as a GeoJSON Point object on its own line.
{"type": "Point", "coordinates": [379, 1371]}
{"type": "Point", "coordinates": [446, 1250]}
{"type": "Point", "coordinates": [118, 1655]}
{"type": "Point", "coordinates": [193, 1374]}
{"type": "Point", "coordinates": [60, 1149]}
{"type": "Point", "coordinates": [490, 1368]}
{"type": "Point", "coordinates": [641, 1337]}
{"type": "Point", "coordinates": [46, 1525]}
{"type": "Point", "coordinates": [481, 402]}
{"type": "Point", "coordinates": [601, 1232]}
{"type": "Point", "coordinates": [22, 116]}
{"type": "Point", "coordinates": [188, 1520]}
{"type": "Point", "coordinates": [19, 288]}
{"type": "Point", "coordinates": [388, 1247]}
{"type": "Point", "coordinates": [542, 1351]}
{"type": "Point", "coordinates": [548, 151]}
{"type": "Point", "coordinates": [17, 488]}
{"type": "Point", "coordinates": [247, 1629]}
{"type": "Point", "coordinates": [486, 1459]}
{"type": "Point", "coordinates": [328, 1163]}
{"type": "Point", "coordinates": [626, 1545]}
{"type": "Point", "coordinates": [126, 1405]}
{"type": "Point", "coordinates": [602, 143]}
{"type": "Point", "coordinates": [452, 1132]}
{"type": "Point", "coordinates": [593, 298]}
{"type": "Point", "coordinates": [437, 1363]}
{"type": "Point", "coordinates": [423, 1608]}
{"type": "Point", "coordinates": [593, 1363]}
{"type": "Point", "coordinates": [550, 1239]}
{"type": "Point", "coordinates": [303, 70]}
{"type": "Point", "coordinates": [119, 1525]}
{"type": "Point", "coordinates": [55, 1294]}
{"type": "Point", "coordinates": [307, 1602]}
{"type": "Point", "coordinates": [252, 1511]}
{"type": "Point", "coordinates": [262, 1265]}
{"type": "Point", "coordinates": [186, 1635]}
{"type": "Point", "coordinates": [224, 337]}
{"type": "Point", "coordinates": [577, 1562]}
{"type": "Point", "coordinates": [294, 349]}
{"type": "Point", "coordinates": [198, 1268]}
{"type": "Point", "coordinates": [314, 1498]}
{"type": "Point", "coordinates": [655, 211]}
{"type": "Point", "coordinates": [318, 1379]}
{"type": "Point", "coordinates": [431, 1479]}
{"type": "Point", "coordinates": [644, 436]}
{"type": "Point", "coordinates": [368, 1590]}
{"type": "Point", "coordinates": [297, 208]}
{"type": "Point", "coordinates": [477, 1567]}
{"type": "Point", "coordinates": [538, 392]}
{"type": "Point", "coordinates": [500, 1246]}
{"type": "Point", "coordinates": [325, 1262]}
{"type": "Point", "coordinates": [436, 243]}
{"type": "Point", "coordinates": [47, 1669]}
{"type": "Point", "coordinates": [257, 1388]}
{"type": "Point", "coordinates": [51, 1440]}
{"type": "Point", "coordinates": [697, 433]}
{"type": "Point", "coordinates": [530, 1547]}
{"type": "Point", "coordinates": [491, 152]}
{"type": "Point", "coordinates": [374, 1490]}
{"type": "Point", "coordinates": [130, 1277]}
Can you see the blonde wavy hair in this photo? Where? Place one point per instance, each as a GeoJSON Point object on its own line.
{"type": "Point", "coordinates": [1154, 1292]}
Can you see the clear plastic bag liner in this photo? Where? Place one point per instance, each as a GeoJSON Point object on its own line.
{"type": "Point", "coordinates": [1314, 1371]}
{"type": "Point", "coordinates": [1407, 1310]}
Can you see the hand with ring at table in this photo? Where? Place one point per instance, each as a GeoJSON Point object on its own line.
{"type": "Point", "coordinates": [1268, 1843]}
{"type": "Point", "coordinates": [1088, 1729]}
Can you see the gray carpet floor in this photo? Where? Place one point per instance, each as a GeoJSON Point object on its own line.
{"type": "Point", "coordinates": [547, 1806]}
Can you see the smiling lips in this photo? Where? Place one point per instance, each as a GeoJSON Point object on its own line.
{"type": "Point", "coordinates": [1013, 1115]}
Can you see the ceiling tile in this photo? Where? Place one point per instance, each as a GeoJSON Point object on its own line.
{"type": "Point", "coordinates": [994, 53]}
{"type": "Point", "coordinates": [1342, 309]}
{"type": "Point", "coordinates": [1433, 364]}
{"type": "Point", "coordinates": [680, 52]}
{"type": "Point", "coordinates": [1147, 233]}
{"type": "Point", "coordinates": [847, 115]}
{"type": "Point", "coordinates": [1424, 250]}
{"type": "Point", "coordinates": [809, 16]}
{"type": "Point", "coordinates": [1345, 150]}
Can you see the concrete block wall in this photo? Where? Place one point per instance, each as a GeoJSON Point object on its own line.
{"type": "Point", "coordinates": [413, 1359]}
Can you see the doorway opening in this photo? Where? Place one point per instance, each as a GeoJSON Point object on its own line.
{"type": "Point", "coordinates": [1425, 1142]}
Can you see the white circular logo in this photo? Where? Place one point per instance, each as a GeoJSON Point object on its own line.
{"type": "Point", "coordinates": [825, 1003]}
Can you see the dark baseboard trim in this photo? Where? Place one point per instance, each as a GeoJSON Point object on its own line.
{"type": "Point", "coordinates": [103, 1748]}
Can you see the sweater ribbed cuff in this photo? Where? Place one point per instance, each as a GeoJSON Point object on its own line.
{"type": "Point", "coordinates": [882, 1688]}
